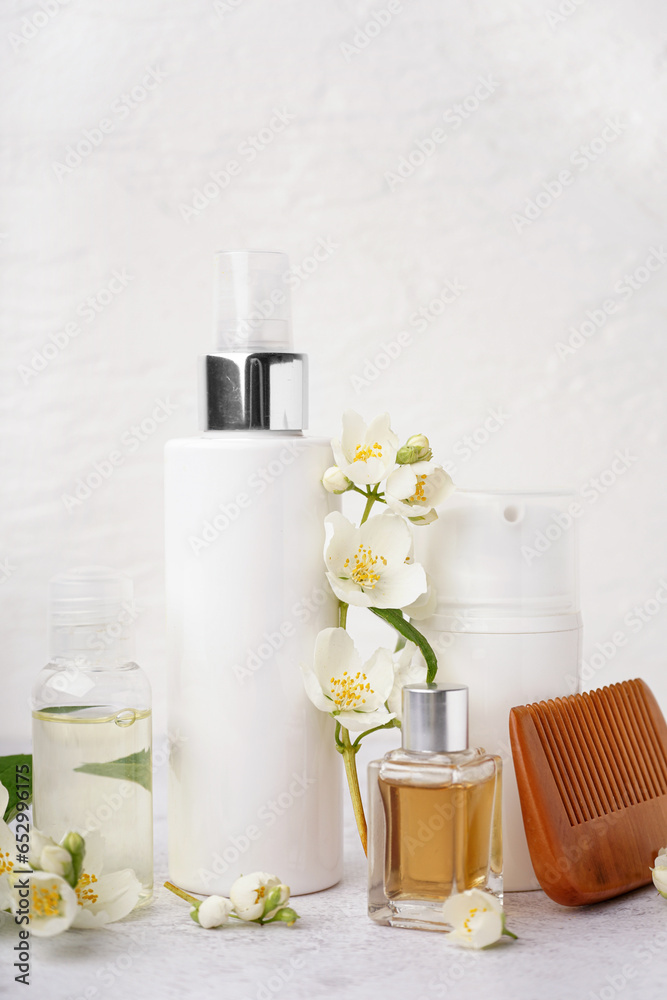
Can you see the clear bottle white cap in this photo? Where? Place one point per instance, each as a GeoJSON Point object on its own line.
{"type": "Point", "coordinates": [498, 555]}
{"type": "Point", "coordinates": [91, 611]}
{"type": "Point", "coordinates": [253, 311]}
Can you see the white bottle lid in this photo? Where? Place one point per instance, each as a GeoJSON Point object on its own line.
{"type": "Point", "coordinates": [503, 562]}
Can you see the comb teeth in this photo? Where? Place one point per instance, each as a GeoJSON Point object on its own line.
{"type": "Point", "coordinates": [603, 750]}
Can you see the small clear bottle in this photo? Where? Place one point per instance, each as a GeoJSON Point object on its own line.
{"type": "Point", "coordinates": [435, 813]}
{"type": "Point", "coordinates": [92, 760]}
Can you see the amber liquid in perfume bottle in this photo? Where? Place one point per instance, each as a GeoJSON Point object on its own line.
{"type": "Point", "coordinates": [438, 838]}
{"type": "Point", "coordinates": [435, 814]}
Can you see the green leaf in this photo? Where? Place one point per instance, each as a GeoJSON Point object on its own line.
{"type": "Point", "coordinates": [395, 618]}
{"type": "Point", "coordinates": [135, 767]}
{"type": "Point", "coordinates": [15, 780]}
{"type": "Point", "coordinates": [64, 709]}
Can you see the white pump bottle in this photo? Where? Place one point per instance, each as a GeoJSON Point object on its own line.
{"type": "Point", "coordinates": [255, 781]}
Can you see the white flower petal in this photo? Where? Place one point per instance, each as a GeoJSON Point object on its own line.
{"type": "Point", "coordinates": [424, 606]}
{"type": "Point", "coordinates": [476, 918]}
{"type": "Point", "coordinates": [214, 912]}
{"type": "Point", "coordinates": [480, 931]}
{"type": "Point", "coordinates": [7, 849]}
{"type": "Point", "coordinates": [117, 895]}
{"type": "Point", "coordinates": [416, 490]}
{"type": "Point", "coordinates": [388, 534]}
{"type": "Point", "coordinates": [248, 893]}
{"type": "Point", "coordinates": [55, 859]}
{"type": "Point", "coordinates": [4, 799]}
{"type": "Point", "coordinates": [409, 669]}
{"type": "Point", "coordinates": [366, 566]}
{"type": "Point", "coordinates": [659, 874]}
{"type": "Point", "coordinates": [358, 722]}
{"type": "Point", "coordinates": [380, 673]}
{"type": "Point", "coordinates": [53, 904]}
{"type": "Point", "coordinates": [365, 454]}
{"type": "Point", "coordinates": [400, 588]}
{"type": "Point", "coordinates": [334, 652]}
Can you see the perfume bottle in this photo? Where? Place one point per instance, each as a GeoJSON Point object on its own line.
{"type": "Point", "coordinates": [91, 725]}
{"type": "Point", "coordinates": [435, 813]}
{"type": "Point", "coordinates": [254, 778]}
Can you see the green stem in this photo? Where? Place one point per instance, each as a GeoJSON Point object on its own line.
{"type": "Point", "coordinates": [369, 506]}
{"type": "Point", "coordinates": [395, 618]}
{"type": "Point", "coordinates": [387, 725]}
{"type": "Point", "coordinates": [342, 614]}
{"type": "Point", "coordinates": [349, 756]}
{"type": "Point", "coordinates": [184, 895]}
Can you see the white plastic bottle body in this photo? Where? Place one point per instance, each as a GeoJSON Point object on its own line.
{"type": "Point", "coordinates": [255, 780]}
{"type": "Point", "coordinates": [502, 670]}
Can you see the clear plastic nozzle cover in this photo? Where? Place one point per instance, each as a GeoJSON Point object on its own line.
{"type": "Point", "coordinates": [253, 310]}
{"type": "Point", "coordinates": [91, 609]}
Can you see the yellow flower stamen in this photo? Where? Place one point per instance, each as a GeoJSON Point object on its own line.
{"type": "Point", "coordinates": [363, 453]}
{"type": "Point", "coordinates": [5, 864]}
{"type": "Point", "coordinates": [471, 914]}
{"type": "Point", "coordinates": [418, 496]}
{"type": "Point", "coordinates": [260, 893]}
{"type": "Point", "coordinates": [364, 573]}
{"type": "Point", "coordinates": [45, 901]}
{"type": "Point", "coordinates": [347, 692]}
{"type": "Point", "coordinates": [84, 892]}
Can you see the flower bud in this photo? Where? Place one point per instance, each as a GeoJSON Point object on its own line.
{"type": "Point", "coordinates": [416, 449]}
{"type": "Point", "coordinates": [76, 846]}
{"type": "Point", "coordinates": [274, 900]}
{"type": "Point", "coordinates": [287, 915]}
{"type": "Point", "coordinates": [212, 912]}
{"type": "Point", "coordinates": [55, 860]}
{"type": "Point", "coordinates": [334, 481]}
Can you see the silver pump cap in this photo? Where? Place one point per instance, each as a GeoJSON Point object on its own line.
{"type": "Point", "coordinates": [253, 379]}
{"type": "Point", "coordinates": [435, 717]}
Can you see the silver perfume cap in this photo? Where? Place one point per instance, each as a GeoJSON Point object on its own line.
{"type": "Point", "coordinates": [435, 717]}
{"type": "Point", "coordinates": [253, 379]}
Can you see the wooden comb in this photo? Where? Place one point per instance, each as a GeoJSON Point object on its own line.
{"type": "Point", "coordinates": [592, 776]}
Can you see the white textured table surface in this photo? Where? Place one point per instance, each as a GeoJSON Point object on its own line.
{"type": "Point", "coordinates": [613, 949]}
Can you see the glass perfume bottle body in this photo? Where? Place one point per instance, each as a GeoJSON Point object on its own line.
{"type": "Point", "coordinates": [435, 830]}
{"type": "Point", "coordinates": [89, 719]}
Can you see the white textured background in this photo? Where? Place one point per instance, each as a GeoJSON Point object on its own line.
{"type": "Point", "coordinates": [222, 71]}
